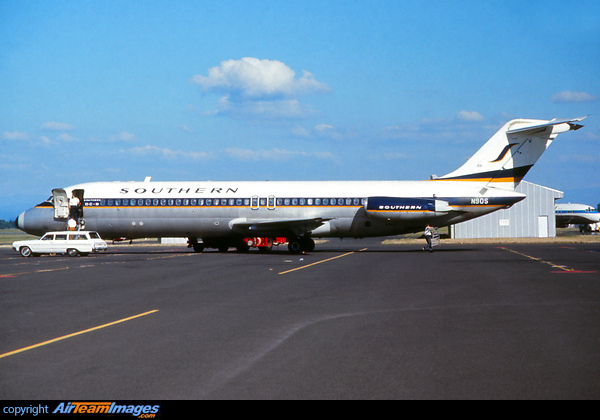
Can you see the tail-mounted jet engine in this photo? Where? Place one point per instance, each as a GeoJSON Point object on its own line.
{"type": "Point", "coordinates": [405, 209]}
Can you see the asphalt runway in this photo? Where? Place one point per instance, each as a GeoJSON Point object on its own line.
{"type": "Point", "coordinates": [351, 320]}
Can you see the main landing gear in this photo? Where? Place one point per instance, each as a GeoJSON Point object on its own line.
{"type": "Point", "coordinates": [303, 244]}
{"type": "Point", "coordinates": [296, 245]}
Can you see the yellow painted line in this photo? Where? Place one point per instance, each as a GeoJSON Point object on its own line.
{"type": "Point", "coordinates": [64, 337]}
{"type": "Point", "coordinates": [320, 262]}
{"type": "Point", "coordinates": [537, 259]}
{"type": "Point", "coordinates": [34, 272]}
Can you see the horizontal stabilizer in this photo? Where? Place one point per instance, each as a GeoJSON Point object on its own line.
{"type": "Point", "coordinates": [542, 127]}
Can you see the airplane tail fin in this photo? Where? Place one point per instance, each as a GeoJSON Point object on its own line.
{"type": "Point", "coordinates": [506, 157]}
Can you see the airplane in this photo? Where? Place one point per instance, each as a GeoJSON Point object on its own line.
{"type": "Point", "coordinates": [221, 214]}
{"type": "Point", "coordinates": [576, 214]}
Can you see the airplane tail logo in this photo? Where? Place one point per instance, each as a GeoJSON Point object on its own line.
{"type": "Point", "coordinates": [507, 157]}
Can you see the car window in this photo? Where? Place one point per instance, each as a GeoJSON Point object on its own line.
{"type": "Point", "coordinates": [61, 237]}
{"type": "Point", "coordinates": [94, 235]}
{"type": "Point", "coordinates": [47, 237]}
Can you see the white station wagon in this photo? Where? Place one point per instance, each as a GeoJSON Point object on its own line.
{"type": "Point", "coordinates": [72, 243]}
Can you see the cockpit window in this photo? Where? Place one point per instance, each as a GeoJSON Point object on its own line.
{"type": "Point", "coordinates": [47, 203]}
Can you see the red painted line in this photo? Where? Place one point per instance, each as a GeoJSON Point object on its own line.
{"type": "Point", "coordinates": [573, 271]}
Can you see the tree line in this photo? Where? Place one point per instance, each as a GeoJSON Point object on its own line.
{"type": "Point", "coordinates": [7, 225]}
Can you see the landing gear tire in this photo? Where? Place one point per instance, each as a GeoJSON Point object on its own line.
{"type": "Point", "coordinates": [25, 252]}
{"type": "Point", "coordinates": [198, 248]}
{"type": "Point", "coordinates": [242, 247]}
{"type": "Point", "coordinates": [295, 246]}
{"type": "Point", "coordinates": [309, 245]}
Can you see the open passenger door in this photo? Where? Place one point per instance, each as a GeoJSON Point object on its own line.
{"type": "Point", "coordinates": [61, 203]}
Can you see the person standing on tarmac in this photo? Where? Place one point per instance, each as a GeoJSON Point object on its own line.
{"type": "Point", "coordinates": [428, 234]}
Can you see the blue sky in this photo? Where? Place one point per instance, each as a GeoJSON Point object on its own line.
{"type": "Point", "coordinates": [288, 90]}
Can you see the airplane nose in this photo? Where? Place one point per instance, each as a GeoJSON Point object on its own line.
{"type": "Point", "coordinates": [19, 221]}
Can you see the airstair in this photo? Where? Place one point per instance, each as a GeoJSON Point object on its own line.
{"type": "Point", "coordinates": [435, 237]}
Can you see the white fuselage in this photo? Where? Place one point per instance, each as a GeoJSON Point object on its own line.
{"type": "Point", "coordinates": [213, 209]}
{"type": "Point", "coordinates": [576, 214]}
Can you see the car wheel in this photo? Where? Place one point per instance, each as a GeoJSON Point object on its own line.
{"type": "Point", "coordinates": [72, 252]}
{"type": "Point", "coordinates": [25, 251]}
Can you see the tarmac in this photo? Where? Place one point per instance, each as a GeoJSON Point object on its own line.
{"type": "Point", "coordinates": [354, 319]}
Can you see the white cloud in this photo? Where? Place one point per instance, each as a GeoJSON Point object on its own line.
{"type": "Point", "coordinates": [273, 155]}
{"type": "Point", "coordinates": [65, 137]}
{"type": "Point", "coordinates": [14, 135]}
{"type": "Point", "coordinates": [186, 128]}
{"type": "Point", "coordinates": [572, 97]}
{"type": "Point", "coordinates": [469, 116]}
{"type": "Point", "coordinates": [56, 126]}
{"type": "Point", "coordinates": [322, 131]}
{"type": "Point", "coordinates": [254, 78]}
{"type": "Point", "coordinates": [259, 88]}
{"type": "Point", "coordinates": [280, 108]}
{"type": "Point", "coordinates": [124, 136]}
{"type": "Point", "coordinates": [168, 153]}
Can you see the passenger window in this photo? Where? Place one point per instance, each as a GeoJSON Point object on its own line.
{"type": "Point", "coordinates": [61, 237]}
{"type": "Point", "coordinates": [47, 237]}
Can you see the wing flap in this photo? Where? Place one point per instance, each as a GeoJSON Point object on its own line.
{"type": "Point", "coordinates": [274, 227]}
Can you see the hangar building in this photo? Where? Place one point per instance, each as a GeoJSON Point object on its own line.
{"type": "Point", "coordinates": [531, 218]}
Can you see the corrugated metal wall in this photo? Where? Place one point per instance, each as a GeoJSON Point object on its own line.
{"type": "Point", "coordinates": [530, 218]}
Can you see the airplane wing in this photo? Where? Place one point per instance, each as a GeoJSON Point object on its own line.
{"type": "Point", "coordinates": [539, 128]}
{"type": "Point", "coordinates": [278, 227]}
